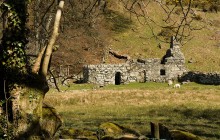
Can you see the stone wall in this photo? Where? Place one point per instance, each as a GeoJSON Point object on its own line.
{"type": "Point", "coordinates": [202, 78]}
{"type": "Point", "coordinates": [141, 70]}
{"type": "Point", "coordinates": [109, 73]}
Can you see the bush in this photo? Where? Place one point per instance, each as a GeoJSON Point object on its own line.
{"type": "Point", "coordinates": [205, 5]}
{"type": "Point", "coordinates": [209, 7]}
{"type": "Point", "coordinates": [167, 32]}
{"type": "Point", "coordinates": [178, 11]}
{"type": "Point", "coordinates": [6, 129]}
{"type": "Point", "coordinates": [197, 17]}
{"type": "Point", "coordinates": [215, 23]}
{"type": "Point", "coordinates": [214, 8]}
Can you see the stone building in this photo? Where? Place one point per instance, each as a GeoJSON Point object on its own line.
{"type": "Point", "coordinates": [140, 70]}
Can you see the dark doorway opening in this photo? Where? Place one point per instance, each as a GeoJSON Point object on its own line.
{"type": "Point", "coordinates": [162, 72]}
{"type": "Point", "coordinates": [145, 76]}
{"type": "Point", "coordinates": [117, 78]}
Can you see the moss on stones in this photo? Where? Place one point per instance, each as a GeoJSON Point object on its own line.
{"type": "Point", "coordinates": [183, 135]}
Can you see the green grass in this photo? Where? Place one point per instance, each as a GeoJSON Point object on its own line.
{"type": "Point", "coordinates": [161, 86]}
{"type": "Point", "coordinates": [120, 23]}
{"type": "Point", "coordinates": [193, 107]}
{"type": "Point", "coordinates": [137, 86]}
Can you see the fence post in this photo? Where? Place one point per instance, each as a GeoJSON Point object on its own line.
{"type": "Point", "coordinates": [160, 132]}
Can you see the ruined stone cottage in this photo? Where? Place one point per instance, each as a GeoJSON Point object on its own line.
{"type": "Point", "coordinates": [140, 70]}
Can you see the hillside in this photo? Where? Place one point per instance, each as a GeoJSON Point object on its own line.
{"type": "Point", "coordinates": [117, 30]}
{"type": "Point", "coordinates": [86, 36]}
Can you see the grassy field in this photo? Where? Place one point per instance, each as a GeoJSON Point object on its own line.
{"type": "Point", "coordinates": [193, 107]}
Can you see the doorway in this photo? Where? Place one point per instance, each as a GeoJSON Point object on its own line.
{"type": "Point", "coordinates": [117, 78]}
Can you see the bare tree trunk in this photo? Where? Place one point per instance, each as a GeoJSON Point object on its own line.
{"type": "Point", "coordinates": [41, 58]}
{"type": "Point", "coordinates": [37, 64]}
{"type": "Point", "coordinates": [52, 40]}
{"type": "Point", "coordinates": [36, 67]}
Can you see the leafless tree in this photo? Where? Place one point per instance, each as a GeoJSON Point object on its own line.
{"type": "Point", "coordinates": [180, 25]}
{"type": "Point", "coordinates": [81, 17]}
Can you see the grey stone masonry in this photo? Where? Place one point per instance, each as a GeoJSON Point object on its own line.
{"type": "Point", "coordinates": [202, 78]}
{"type": "Point", "coordinates": [142, 70]}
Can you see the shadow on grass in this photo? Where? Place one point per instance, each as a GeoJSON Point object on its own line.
{"type": "Point", "coordinates": [120, 23]}
{"type": "Point", "coordinates": [209, 114]}
{"type": "Point", "coordinates": [210, 136]}
{"type": "Point", "coordinates": [201, 122]}
{"type": "Point", "coordinates": [199, 130]}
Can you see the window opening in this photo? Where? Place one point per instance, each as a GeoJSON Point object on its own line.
{"type": "Point", "coordinates": [162, 72]}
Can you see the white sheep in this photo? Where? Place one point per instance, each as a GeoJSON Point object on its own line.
{"type": "Point", "coordinates": [176, 86]}
{"type": "Point", "coordinates": [170, 82]}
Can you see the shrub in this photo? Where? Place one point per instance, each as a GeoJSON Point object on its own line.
{"type": "Point", "coordinates": [6, 129]}
{"type": "Point", "coordinates": [214, 8]}
{"type": "Point", "coordinates": [197, 17]}
{"type": "Point", "coordinates": [215, 23]}
{"type": "Point", "coordinates": [178, 11]}
{"type": "Point", "coordinates": [205, 5]}
{"type": "Point", "coordinates": [167, 32]}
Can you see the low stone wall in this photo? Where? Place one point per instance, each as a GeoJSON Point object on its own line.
{"type": "Point", "coordinates": [202, 78]}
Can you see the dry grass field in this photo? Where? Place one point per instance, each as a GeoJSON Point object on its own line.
{"type": "Point", "coordinates": [194, 108]}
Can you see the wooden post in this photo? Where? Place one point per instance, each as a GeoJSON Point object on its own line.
{"type": "Point", "coordinates": [160, 132]}
{"type": "Point", "coordinates": [155, 130]}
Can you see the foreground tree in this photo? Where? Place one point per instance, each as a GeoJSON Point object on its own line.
{"type": "Point", "coordinates": [21, 89]}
